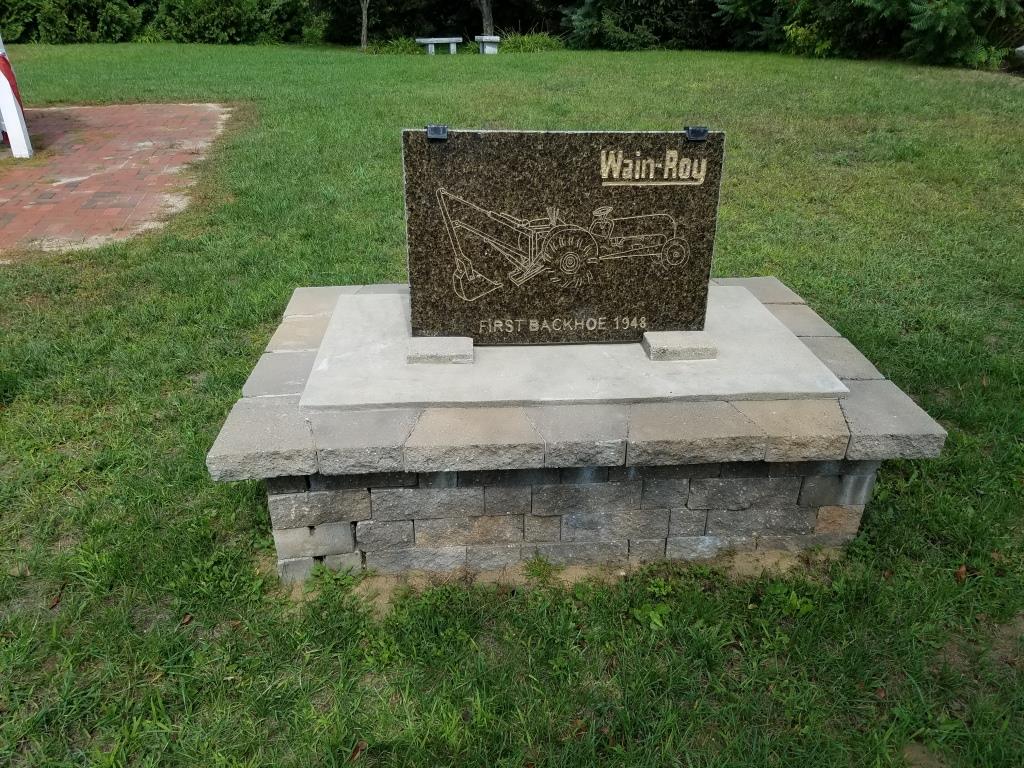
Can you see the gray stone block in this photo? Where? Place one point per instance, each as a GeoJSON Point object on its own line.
{"type": "Point", "coordinates": [692, 433]}
{"type": "Point", "coordinates": [828, 490]}
{"type": "Point", "coordinates": [451, 531]}
{"type": "Point", "coordinates": [801, 320]}
{"type": "Point", "coordinates": [730, 522]}
{"type": "Point", "coordinates": [804, 468]}
{"type": "Point", "coordinates": [679, 345]}
{"type": "Point", "coordinates": [439, 350]}
{"type": "Point", "coordinates": [767, 290]}
{"type": "Point", "coordinates": [439, 479]}
{"type": "Point", "coordinates": [743, 469]}
{"type": "Point", "coordinates": [619, 474]}
{"type": "Point", "coordinates": [507, 499]}
{"type": "Point", "coordinates": [743, 493]}
{"type": "Point", "coordinates": [580, 552]}
{"type": "Point", "coordinates": [317, 300]}
{"type": "Point", "coordinates": [580, 475]}
{"type": "Point", "coordinates": [855, 468]}
{"type": "Point", "coordinates": [363, 480]}
{"type": "Point", "coordinates": [886, 424]}
{"type": "Point", "coordinates": [506, 477]}
{"type": "Point", "coordinates": [665, 494]}
{"type": "Point", "coordinates": [646, 550]}
{"type": "Point", "coordinates": [299, 332]}
{"type": "Point", "coordinates": [493, 557]}
{"type": "Point", "coordinates": [279, 373]}
{"type": "Point", "coordinates": [841, 357]}
{"type": "Point", "coordinates": [542, 528]}
{"type": "Point", "coordinates": [355, 442]}
{"type": "Point", "coordinates": [611, 526]}
{"type": "Point", "coordinates": [295, 569]}
{"type": "Point", "coordinates": [418, 503]}
{"type": "Point", "coordinates": [799, 430]}
{"type": "Point", "coordinates": [351, 561]}
{"type": "Point", "coordinates": [427, 559]}
{"type": "Point", "coordinates": [669, 471]}
{"type": "Point", "coordinates": [839, 520]}
{"type": "Point", "coordinates": [687, 522]}
{"type": "Point", "coordinates": [298, 510]}
{"type": "Point", "coordinates": [595, 497]}
{"type": "Point", "coordinates": [384, 534]}
{"type": "Point", "coordinates": [581, 435]}
{"type": "Point", "coordinates": [262, 437]}
{"type": "Point", "coordinates": [324, 539]}
{"type": "Point", "coordinates": [293, 484]}
{"type": "Point", "coordinates": [473, 439]}
{"type": "Point", "coordinates": [694, 547]}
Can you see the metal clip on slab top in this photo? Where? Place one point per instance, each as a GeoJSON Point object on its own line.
{"type": "Point", "coordinates": [696, 133]}
{"type": "Point", "coordinates": [437, 132]}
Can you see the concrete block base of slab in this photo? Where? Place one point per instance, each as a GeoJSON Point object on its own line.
{"type": "Point", "coordinates": [671, 512]}
{"type": "Point", "coordinates": [613, 456]}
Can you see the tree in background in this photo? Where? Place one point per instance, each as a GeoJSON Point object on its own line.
{"type": "Point", "coordinates": [486, 15]}
{"type": "Point", "coordinates": [364, 29]}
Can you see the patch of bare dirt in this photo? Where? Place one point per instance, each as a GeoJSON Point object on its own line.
{"type": "Point", "coordinates": [917, 755]}
{"type": "Point", "coordinates": [1008, 642]}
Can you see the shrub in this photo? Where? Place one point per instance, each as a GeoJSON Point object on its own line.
{"type": "Point", "coordinates": [977, 33]}
{"type": "Point", "coordinates": [398, 46]}
{"type": "Point", "coordinates": [631, 25]}
{"type": "Point", "coordinates": [529, 42]}
{"type": "Point", "coordinates": [223, 21]}
{"type": "Point", "coordinates": [806, 41]}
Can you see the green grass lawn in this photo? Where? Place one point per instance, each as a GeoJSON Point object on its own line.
{"type": "Point", "coordinates": [138, 622]}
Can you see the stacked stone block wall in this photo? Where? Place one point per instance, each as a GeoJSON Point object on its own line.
{"type": "Point", "coordinates": [488, 520]}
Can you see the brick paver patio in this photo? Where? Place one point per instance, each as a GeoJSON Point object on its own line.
{"type": "Point", "coordinates": [101, 173]}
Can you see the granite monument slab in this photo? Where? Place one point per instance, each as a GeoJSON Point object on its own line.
{"type": "Point", "coordinates": [532, 237]}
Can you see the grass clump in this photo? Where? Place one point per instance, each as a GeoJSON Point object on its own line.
{"type": "Point", "coordinates": [529, 42]}
{"type": "Point", "coordinates": [399, 46]}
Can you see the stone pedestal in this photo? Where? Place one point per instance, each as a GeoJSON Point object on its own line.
{"type": "Point", "coordinates": [420, 486]}
{"type": "Point", "coordinates": [488, 43]}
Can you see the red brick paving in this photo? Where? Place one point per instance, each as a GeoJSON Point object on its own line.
{"type": "Point", "coordinates": [101, 173]}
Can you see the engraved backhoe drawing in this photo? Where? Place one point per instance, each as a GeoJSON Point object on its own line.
{"type": "Point", "coordinates": [551, 245]}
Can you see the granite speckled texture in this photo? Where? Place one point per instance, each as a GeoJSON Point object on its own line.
{"type": "Point", "coordinates": [555, 237]}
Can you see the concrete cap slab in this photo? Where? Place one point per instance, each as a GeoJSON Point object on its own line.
{"type": "Point", "coordinates": [263, 437]}
{"type": "Point", "coordinates": [317, 300]}
{"type": "Point", "coordinates": [582, 435]}
{"type": "Point", "coordinates": [355, 442]}
{"type": "Point", "coordinates": [379, 288]}
{"type": "Point", "coordinates": [298, 333]}
{"type": "Point", "coordinates": [886, 424]}
{"type": "Point", "coordinates": [799, 430]}
{"type": "Point", "coordinates": [692, 433]}
{"type": "Point", "coordinates": [841, 357]}
{"type": "Point", "coordinates": [767, 290]}
{"type": "Point", "coordinates": [679, 345]}
{"type": "Point", "coordinates": [446, 439]}
{"type": "Point", "coordinates": [279, 373]}
{"type": "Point", "coordinates": [362, 363]}
{"type": "Point", "coordinates": [801, 320]}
